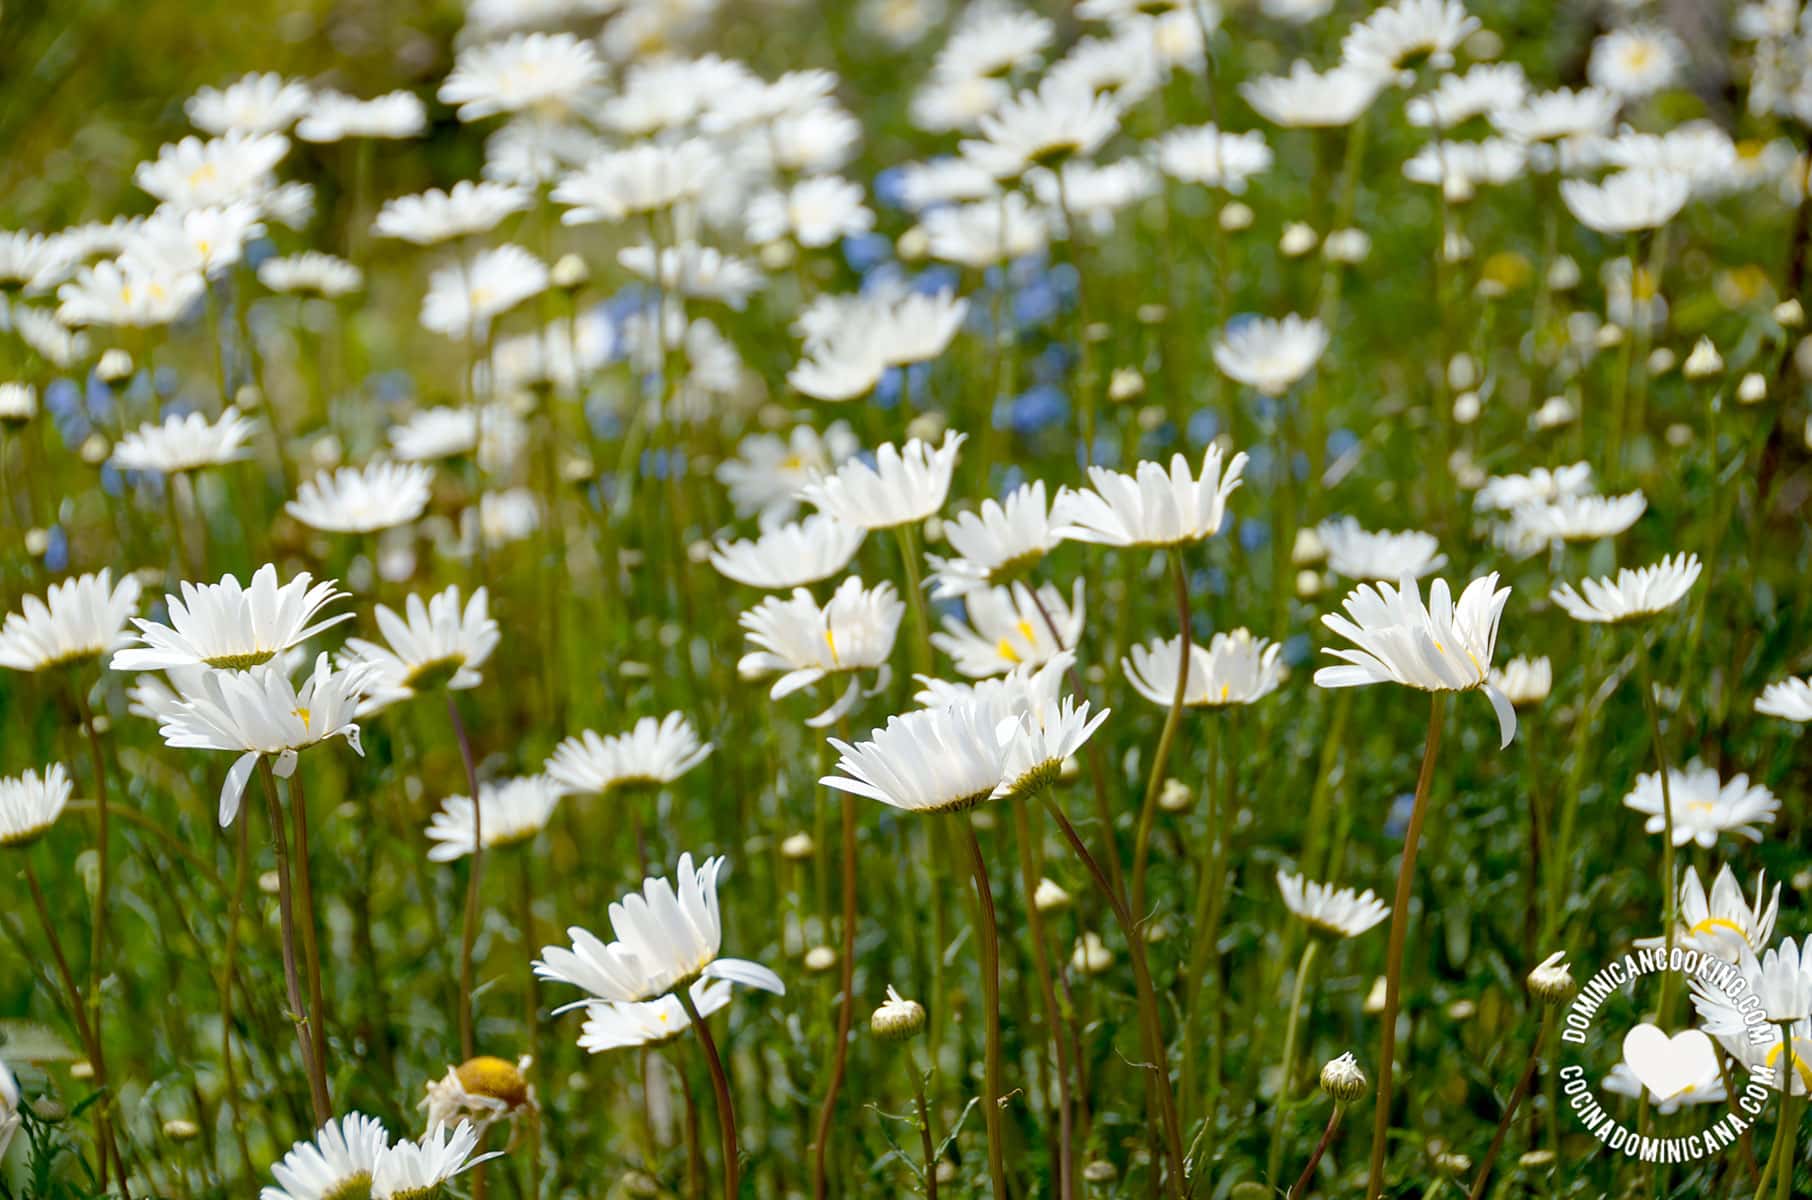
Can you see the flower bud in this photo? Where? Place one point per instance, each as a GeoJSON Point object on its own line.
{"type": "Point", "coordinates": [1703, 362]}
{"type": "Point", "coordinates": [1753, 389]}
{"type": "Point", "coordinates": [570, 273]}
{"type": "Point", "coordinates": [897, 1019]}
{"type": "Point", "coordinates": [179, 1129]}
{"type": "Point", "coordinates": [116, 364]}
{"type": "Point", "coordinates": [1125, 384]}
{"type": "Point", "coordinates": [1175, 796]}
{"type": "Point", "coordinates": [820, 959]}
{"type": "Point", "coordinates": [798, 847]}
{"type": "Point", "coordinates": [1050, 897]}
{"type": "Point", "coordinates": [1235, 217]}
{"type": "Point", "coordinates": [1551, 981]}
{"type": "Point", "coordinates": [1347, 246]}
{"type": "Point", "coordinates": [1790, 314]}
{"type": "Point", "coordinates": [1091, 955]}
{"type": "Point", "coordinates": [1298, 239]}
{"type": "Point", "coordinates": [1343, 1079]}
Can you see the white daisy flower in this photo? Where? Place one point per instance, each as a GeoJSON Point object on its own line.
{"type": "Point", "coordinates": [695, 272]}
{"type": "Point", "coordinates": [260, 712]}
{"type": "Point", "coordinates": [1558, 116]}
{"type": "Point", "coordinates": [666, 939]}
{"type": "Point", "coordinates": [362, 499]}
{"type": "Point", "coordinates": [338, 1162]}
{"type": "Point", "coordinates": [929, 760]}
{"type": "Point", "coordinates": [629, 1026]}
{"type": "Point", "coordinates": [436, 216]}
{"type": "Point", "coordinates": [311, 273]}
{"type": "Point", "coordinates": [903, 487]}
{"type": "Point", "coordinates": [1441, 647]}
{"type": "Point", "coordinates": [230, 169]}
{"type": "Point", "coordinates": [853, 632]}
{"type": "Point", "coordinates": [230, 626]}
{"type": "Point", "coordinates": [1207, 156]}
{"type": "Point", "coordinates": [1635, 62]}
{"type": "Point", "coordinates": [1627, 201]}
{"type": "Point", "coordinates": [1509, 492]}
{"type": "Point", "coordinates": [78, 619]}
{"type": "Point", "coordinates": [651, 755]}
{"type": "Point", "coordinates": [1342, 913]}
{"type": "Point", "coordinates": [1270, 355]}
{"type": "Point", "coordinates": [1580, 518]}
{"type": "Point", "coordinates": [1395, 39]}
{"type": "Point", "coordinates": [789, 556]}
{"type": "Point", "coordinates": [1633, 594]}
{"type": "Point", "coordinates": [1235, 668]}
{"type": "Point", "coordinates": [430, 646]}
{"type": "Point", "coordinates": [991, 40]}
{"type": "Point", "coordinates": [1725, 923]}
{"type": "Point", "coordinates": [1007, 628]}
{"type": "Point", "coordinates": [510, 811]}
{"type": "Point", "coordinates": [417, 1170]}
{"type": "Point", "coordinates": [333, 117]}
{"type": "Point", "coordinates": [128, 293]}
{"type": "Point", "coordinates": [185, 442]}
{"type": "Point", "coordinates": [1703, 806]}
{"type": "Point", "coordinates": [256, 103]}
{"type": "Point", "coordinates": [642, 179]}
{"type": "Point", "coordinates": [1790, 699]}
{"type": "Point", "coordinates": [18, 403]}
{"type": "Point", "coordinates": [814, 212]}
{"type": "Point", "coordinates": [1041, 128]}
{"type": "Point", "coordinates": [1483, 91]}
{"type": "Point", "coordinates": [767, 472]}
{"type": "Point", "coordinates": [1307, 99]}
{"type": "Point", "coordinates": [29, 805]}
{"type": "Point", "coordinates": [547, 72]}
{"type": "Point", "coordinates": [1363, 555]}
{"type": "Point", "coordinates": [995, 545]}
{"type": "Point", "coordinates": [987, 232]}
{"type": "Point", "coordinates": [1152, 507]}
{"type": "Point", "coordinates": [1708, 1088]}
{"type": "Point", "coordinates": [442, 432]}
{"type": "Point", "coordinates": [9, 1108]}
{"type": "Point", "coordinates": [463, 299]}
{"type": "Point", "coordinates": [1524, 681]}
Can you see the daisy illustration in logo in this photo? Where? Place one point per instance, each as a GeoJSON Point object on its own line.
{"type": "Point", "coordinates": [668, 939]}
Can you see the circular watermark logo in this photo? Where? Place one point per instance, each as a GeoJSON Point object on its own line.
{"type": "Point", "coordinates": [1667, 1066]}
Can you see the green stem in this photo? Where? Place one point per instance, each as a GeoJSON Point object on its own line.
{"type": "Point", "coordinates": [1399, 928]}
{"type": "Point", "coordinates": [292, 980]}
{"type": "Point", "coordinates": [1287, 1065]}
{"type": "Point", "coordinates": [988, 938]}
{"type": "Point", "coordinates": [720, 1083]}
{"type": "Point", "coordinates": [469, 926]}
{"type": "Point", "coordinates": [1154, 783]}
{"type": "Point", "coordinates": [1670, 894]}
{"type": "Point", "coordinates": [915, 596]}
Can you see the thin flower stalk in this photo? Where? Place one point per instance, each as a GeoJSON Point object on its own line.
{"type": "Point", "coordinates": [1160, 758]}
{"type": "Point", "coordinates": [1399, 929]}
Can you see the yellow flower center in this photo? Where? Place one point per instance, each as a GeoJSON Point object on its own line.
{"type": "Point", "coordinates": [493, 1077]}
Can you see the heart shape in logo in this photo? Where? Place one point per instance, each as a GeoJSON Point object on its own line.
{"type": "Point", "coordinates": [1666, 1065]}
